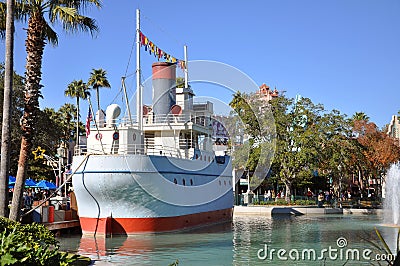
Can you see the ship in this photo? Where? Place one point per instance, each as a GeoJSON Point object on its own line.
{"type": "Point", "coordinates": [159, 171]}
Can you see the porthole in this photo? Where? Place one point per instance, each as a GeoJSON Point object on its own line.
{"type": "Point", "coordinates": [184, 182]}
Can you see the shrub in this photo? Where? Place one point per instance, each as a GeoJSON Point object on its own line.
{"type": "Point", "coordinates": [31, 244]}
{"type": "Point", "coordinates": [304, 202]}
{"type": "Point", "coordinates": [282, 202]}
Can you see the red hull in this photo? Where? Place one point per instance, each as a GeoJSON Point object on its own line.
{"type": "Point", "coordinates": [126, 226]}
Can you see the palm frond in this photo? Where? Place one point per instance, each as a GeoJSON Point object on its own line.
{"type": "Point", "coordinates": [51, 35]}
{"type": "Point", "coordinates": [3, 8]}
{"type": "Point", "coordinates": [385, 245]}
{"type": "Point", "coordinates": [82, 4]}
{"type": "Point", "coordinates": [398, 243]}
{"type": "Point", "coordinates": [397, 260]}
{"type": "Point", "coordinates": [22, 10]}
{"type": "Point", "coordinates": [72, 21]}
{"type": "Point", "coordinates": [77, 4]}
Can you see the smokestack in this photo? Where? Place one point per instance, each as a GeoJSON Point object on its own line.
{"type": "Point", "coordinates": [164, 79]}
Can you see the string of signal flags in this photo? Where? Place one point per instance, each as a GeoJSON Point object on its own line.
{"type": "Point", "coordinates": [157, 52]}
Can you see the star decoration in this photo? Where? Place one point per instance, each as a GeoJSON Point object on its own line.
{"type": "Point", "coordinates": [39, 153]}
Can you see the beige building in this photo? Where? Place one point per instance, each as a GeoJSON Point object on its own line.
{"type": "Point", "coordinates": [394, 128]}
{"type": "Point", "coordinates": [267, 94]}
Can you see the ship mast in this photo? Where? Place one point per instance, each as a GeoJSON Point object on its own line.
{"type": "Point", "coordinates": [186, 66]}
{"type": "Point", "coordinates": [139, 109]}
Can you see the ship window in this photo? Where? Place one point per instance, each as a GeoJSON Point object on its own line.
{"type": "Point", "coordinates": [184, 182]}
{"type": "Point", "coordinates": [219, 182]}
{"type": "Point", "coordinates": [220, 159]}
{"type": "Point", "coordinates": [175, 181]}
{"type": "Point", "coordinates": [191, 182]}
{"type": "Point", "coordinates": [224, 183]}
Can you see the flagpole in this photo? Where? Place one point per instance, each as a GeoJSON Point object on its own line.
{"type": "Point", "coordinates": [127, 101]}
{"type": "Point", "coordinates": [139, 109]}
{"type": "Point", "coordinates": [186, 66]}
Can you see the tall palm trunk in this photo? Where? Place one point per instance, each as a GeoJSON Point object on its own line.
{"type": "Point", "coordinates": [34, 48]}
{"type": "Point", "coordinates": [6, 127]}
{"type": "Point", "coordinates": [98, 99]}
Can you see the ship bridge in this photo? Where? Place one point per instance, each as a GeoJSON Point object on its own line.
{"type": "Point", "coordinates": [173, 125]}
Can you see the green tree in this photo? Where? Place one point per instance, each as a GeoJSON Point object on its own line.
{"type": "Point", "coordinates": [298, 140]}
{"type": "Point", "coordinates": [79, 90]}
{"type": "Point", "coordinates": [98, 79]}
{"type": "Point", "coordinates": [69, 14]}
{"type": "Point", "coordinates": [252, 120]}
{"type": "Point", "coordinates": [340, 154]}
{"type": "Point", "coordinates": [66, 119]}
{"type": "Point", "coordinates": [17, 106]}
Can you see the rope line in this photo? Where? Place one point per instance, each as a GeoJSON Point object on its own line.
{"type": "Point", "coordinates": [58, 189]}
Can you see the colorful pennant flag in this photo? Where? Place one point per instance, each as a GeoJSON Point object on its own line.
{"type": "Point", "coordinates": [88, 120]}
{"type": "Point", "coordinates": [157, 52]}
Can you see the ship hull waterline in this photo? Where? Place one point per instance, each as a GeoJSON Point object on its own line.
{"type": "Point", "coordinates": [130, 194]}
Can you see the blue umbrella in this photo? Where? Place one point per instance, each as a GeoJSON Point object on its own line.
{"type": "Point", "coordinates": [45, 185]}
{"type": "Point", "coordinates": [11, 180]}
{"type": "Point", "coordinates": [30, 183]}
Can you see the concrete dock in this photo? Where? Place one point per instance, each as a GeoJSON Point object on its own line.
{"type": "Point", "coordinates": [298, 210]}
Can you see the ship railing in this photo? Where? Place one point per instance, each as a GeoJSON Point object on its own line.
{"type": "Point", "coordinates": [138, 149]}
{"type": "Point", "coordinates": [197, 118]}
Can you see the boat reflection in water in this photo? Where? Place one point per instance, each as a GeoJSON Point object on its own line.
{"type": "Point", "coordinates": [236, 243]}
{"type": "Point", "coordinates": [195, 246]}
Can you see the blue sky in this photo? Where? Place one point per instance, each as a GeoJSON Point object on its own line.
{"type": "Point", "coordinates": [343, 54]}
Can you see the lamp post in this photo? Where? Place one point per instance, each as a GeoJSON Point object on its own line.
{"type": "Point", "coordinates": [248, 197]}
{"type": "Point", "coordinates": [61, 156]}
{"type": "Point", "coordinates": [248, 182]}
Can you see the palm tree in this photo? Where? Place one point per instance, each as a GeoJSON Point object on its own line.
{"type": "Point", "coordinates": [66, 115]}
{"type": "Point", "coordinates": [79, 90]}
{"type": "Point", "coordinates": [6, 126]}
{"type": "Point", "coordinates": [98, 80]}
{"type": "Point", "coordinates": [68, 13]}
{"type": "Point", "coordinates": [360, 116]}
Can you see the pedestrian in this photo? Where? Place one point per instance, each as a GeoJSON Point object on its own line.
{"type": "Point", "coordinates": [28, 201]}
{"type": "Point", "coordinates": [310, 195]}
{"type": "Point", "coordinates": [320, 200]}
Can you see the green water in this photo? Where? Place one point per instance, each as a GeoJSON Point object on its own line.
{"type": "Point", "coordinates": [244, 242]}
